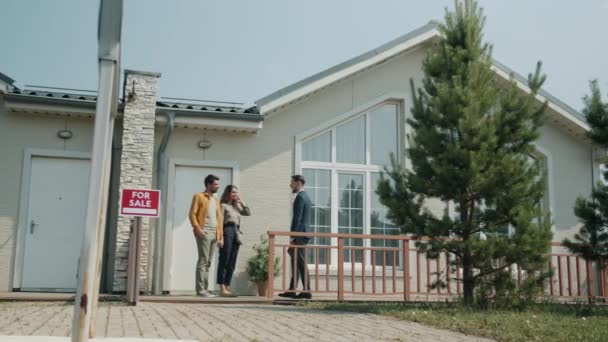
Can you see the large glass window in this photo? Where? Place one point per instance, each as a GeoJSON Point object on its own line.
{"type": "Point", "coordinates": [383, 134]}
{"type": "Point", "coordinates": [381, 225]}
{"type": "Point", "coordinates": [350, 142]}
{"type": "Point", "coordinates": [350, 211]}
{"type": "Point", "coordinates": [342, 167]}
{"type": "Point", "coordinates": [317, 149]}
{"type": "Point", "coordinates": [318, 187]}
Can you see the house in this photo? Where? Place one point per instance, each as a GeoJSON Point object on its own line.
{"type": "Point", "coordinates": [335, 127]}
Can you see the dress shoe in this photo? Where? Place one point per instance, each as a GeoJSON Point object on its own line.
{"type": "Point", "coordinates": [288, 295]}
{"type": "Point", "coordinates": [304, 295]}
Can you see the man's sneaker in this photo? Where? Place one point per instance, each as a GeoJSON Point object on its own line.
{"type": "Point", "coordinates": [205, 294]}
{"type": "Point", "coordinates": [288, 295]}
{"type": "Point", "coordinates": [304, 295]}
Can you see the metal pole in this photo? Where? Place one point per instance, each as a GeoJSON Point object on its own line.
{"type": "Point", "coordinates": [130, 261]}
{"type": "Point", "coordinates": [109, 34]}
{"type": "Point", "coordinates": [96, 206]}
{"type": "Point", "coordinates": [134, 262]}
{"type": "Point", "coordinates": [100, 241]}
{"type": "Point", "coordinates": [138, 230]}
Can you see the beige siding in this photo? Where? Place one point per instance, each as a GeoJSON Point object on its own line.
{"type": "Point", "coordinates": [266, 160]}
{"type": "Point", "coordinates": [18, 132]}
{"type": "Point", "coordinates": [572, 175]}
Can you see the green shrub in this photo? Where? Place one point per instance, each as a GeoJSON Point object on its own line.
{"type": "Point", "coordinates": [257, 265]}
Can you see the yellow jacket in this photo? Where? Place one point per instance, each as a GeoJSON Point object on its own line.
{"type": "Point", "coordinates": [198, 212]}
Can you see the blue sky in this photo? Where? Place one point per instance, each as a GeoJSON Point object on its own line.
{"type": "Point", "coordinates": [242, 50]}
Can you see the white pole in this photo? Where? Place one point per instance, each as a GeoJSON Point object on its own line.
{"type": "Point", "coordinates": [109, 31]}
{"type": "Point", "coordinates": [101, 230]}
{"type": "Point", "coordinates": [96, 207]}
{"type": "Point", "coordinates": [100, 242]}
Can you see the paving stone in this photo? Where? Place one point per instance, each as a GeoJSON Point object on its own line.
{"type": "Point", "coordinates": [218, 322]}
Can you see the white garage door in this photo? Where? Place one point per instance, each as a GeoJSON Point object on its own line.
{"type": "Point", "coordinates": [189, 180]}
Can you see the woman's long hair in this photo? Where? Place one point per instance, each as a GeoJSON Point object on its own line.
{"type": "Point", "coordinates": [226, 195]}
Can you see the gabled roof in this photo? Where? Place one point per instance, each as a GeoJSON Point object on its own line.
{"type": "Point", "coordinates": [406, 41]}
{"type": "Point", "coordinates": [329, 76]}
{"type": "Point", "coordinates": [285, 96]}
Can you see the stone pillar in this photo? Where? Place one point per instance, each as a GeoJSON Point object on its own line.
{"type": "Point", "coordinates": [136, 162]}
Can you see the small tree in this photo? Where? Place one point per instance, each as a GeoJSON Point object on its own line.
{"type": "Point", "coordinates": [470, 146]}
{"type": "Point", "coordinates": [591, 241]}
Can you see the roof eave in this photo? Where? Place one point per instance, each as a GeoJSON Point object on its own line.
{"type": "Point", "coordinates": [210, 114]}
{"type": "Point", "coordinates": [576, 119]}
{"type": "Point", "coordinates": [212, 120]}
{"type": "Point", "coordinates": [213, 124]}
{"type": "Point", "coordinates": [4, 78]}
{"type": "Point", "coordinates": [48, 105]}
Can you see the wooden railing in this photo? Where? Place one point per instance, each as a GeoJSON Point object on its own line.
{"type": "Point", "coordinates": [403, 272]}
{"type": "Point", "coordinates": [575, 277]}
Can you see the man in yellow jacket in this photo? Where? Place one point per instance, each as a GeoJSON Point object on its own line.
{"type": "Point", "coordinates": [207, 226]}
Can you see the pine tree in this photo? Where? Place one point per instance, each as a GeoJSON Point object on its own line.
{"type": "Point", "coordinates": [470, 146]}
{"type": "Point", "coordinates": [591, 241]}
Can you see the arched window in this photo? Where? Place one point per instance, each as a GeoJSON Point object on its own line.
{"type": "Point", "coordinates": [342, 164]}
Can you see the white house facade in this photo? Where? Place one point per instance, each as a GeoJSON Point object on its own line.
{"type": "Point", "coordinates": [336, 128]}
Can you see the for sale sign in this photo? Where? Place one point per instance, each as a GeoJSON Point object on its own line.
{"type": "Point", "coordinates": [139, 202]}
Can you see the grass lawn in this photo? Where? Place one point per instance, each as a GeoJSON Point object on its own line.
{"type": "Point", "coordinates": [543, 322]}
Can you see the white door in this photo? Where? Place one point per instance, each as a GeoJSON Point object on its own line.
{"type": "Point", "coordinates": [189, 180]}
{"type": "Point", "coordinates": [55, 223]}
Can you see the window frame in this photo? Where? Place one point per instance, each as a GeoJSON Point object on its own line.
{"type": "Point", "coordinates": [366, 169]}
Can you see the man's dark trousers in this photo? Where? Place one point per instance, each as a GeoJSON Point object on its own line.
{"type": "Point", "coordinates": [302, 273]}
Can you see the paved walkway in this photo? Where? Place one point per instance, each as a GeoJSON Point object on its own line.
{"type": "Point", "coordinates": [12, 338]}
{"type": "Point", "coordinates": [218, 322]}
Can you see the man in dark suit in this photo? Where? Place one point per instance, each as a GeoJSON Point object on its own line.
{"type": "Point", "coordinates": [300, 222]}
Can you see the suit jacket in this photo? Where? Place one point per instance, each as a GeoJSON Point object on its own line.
{"type": "Point", "coordinates": [302, 215]}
